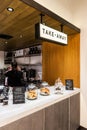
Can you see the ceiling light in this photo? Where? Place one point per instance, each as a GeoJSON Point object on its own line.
{"type": "Point", "coordinates": [10, 9]}
{"type": "Point", "coordinates": [21, 36]}
{"type": "Point", "coordinates": [6, 42]}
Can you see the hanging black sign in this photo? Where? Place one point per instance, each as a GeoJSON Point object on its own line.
{"type": "Point", "coordinates": [18, 95]}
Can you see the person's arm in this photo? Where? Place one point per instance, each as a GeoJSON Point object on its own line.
{"type": "Point", "coordinates": [18, 68]}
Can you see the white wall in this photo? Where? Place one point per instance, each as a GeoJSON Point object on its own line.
{"type": "Point", "coordinates": [1, 59]}
{"type": "Point", "coordinates": [75, 11]}
{"type": "Point", "coordinates": [60, 7]}
{"type": "Point", "coordinates": [80, 19]}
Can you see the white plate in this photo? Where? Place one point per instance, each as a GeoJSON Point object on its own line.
{"type": "Point", "coordinates": [44, 94]}
{"type": "Point", "coordinates": [32, 98]}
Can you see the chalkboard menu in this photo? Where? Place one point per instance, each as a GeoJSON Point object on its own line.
{"type": "Point", "coordinates": [69, 84]}
{"type": "Point", "coordinates": [18, 95]}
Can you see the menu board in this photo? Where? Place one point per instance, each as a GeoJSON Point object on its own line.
{"type": "Point", "coordinates": [69, 84]}
{"type": "Point", "coordinates": [18, 95]}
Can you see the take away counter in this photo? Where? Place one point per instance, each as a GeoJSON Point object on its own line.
{"type": "Point", "coordinates": [53, 112]}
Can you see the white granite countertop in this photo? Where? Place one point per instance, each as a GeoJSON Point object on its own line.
{"type": "Point", "coordinates": [13, 112]}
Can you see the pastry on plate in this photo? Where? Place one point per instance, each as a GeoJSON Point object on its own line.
{"type": "Point", "coordinates": [32, 94]}
{"type": "Point", "coordinates": [44, 91]}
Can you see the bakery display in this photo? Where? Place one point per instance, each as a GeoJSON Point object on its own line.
{"type": "Point", "coordinates": [32, 94]}
{"type": "Point", "coordinates": [44, 91]}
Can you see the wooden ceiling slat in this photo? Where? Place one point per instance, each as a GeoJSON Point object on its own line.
{"type": "Point", "coordinates": [22, 22]}
{"type": "Point", "coordinates": [4, 4]}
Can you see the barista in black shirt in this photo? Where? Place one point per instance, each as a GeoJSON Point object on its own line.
{"type": "Point", "coordinates": [15, 76]}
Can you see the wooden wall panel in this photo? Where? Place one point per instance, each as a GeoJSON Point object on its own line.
{"type": "Point", "coordinates": [62, 61]}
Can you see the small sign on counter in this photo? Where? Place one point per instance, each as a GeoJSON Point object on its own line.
{"type": "Point", "coordinates": [18, 95]}
{"type": "Point", "coordinates": [69, 84]}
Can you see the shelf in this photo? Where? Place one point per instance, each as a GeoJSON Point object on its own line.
{"type": "Point", "coordinates": [39, 54]}
{"type": "Point", "coordinates": [37, 64]}
{"type": "Point", "coordinates": [8, 58]}
{"type": "Point", "coordinates": [31, 55]}
{"type": "Point", "coordinates": [19, 56]}
{"type": "Point", "coordinates": [7, 62]}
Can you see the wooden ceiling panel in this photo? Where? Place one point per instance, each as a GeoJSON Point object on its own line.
{"type": "Point", "coordinates": [20, 24]}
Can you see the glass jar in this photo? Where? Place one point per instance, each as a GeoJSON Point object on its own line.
{"type": "Point", "coordinates": [44, 90]}
{"type": "Point", "coordinates": [58, 87]}
{"type": "Point", "coordinates": [32, 92]}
